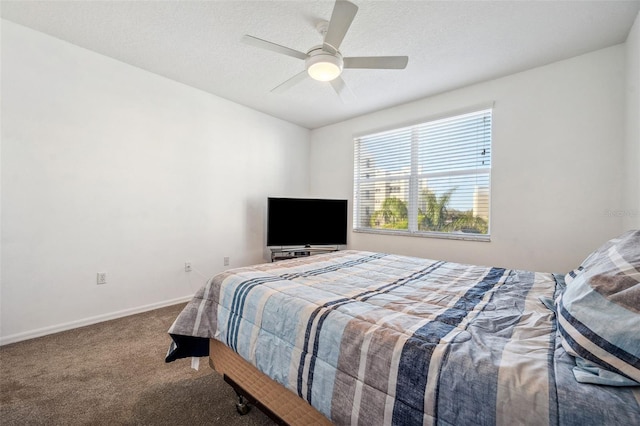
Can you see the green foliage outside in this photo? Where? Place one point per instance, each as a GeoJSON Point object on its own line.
{"type": "Point", "coordinates": [436, 215]}
{"type": "Point", "coordinates": [393, 215]}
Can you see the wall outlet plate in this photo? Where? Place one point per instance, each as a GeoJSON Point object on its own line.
{"type": "Point", "coordinates": [101, 278]}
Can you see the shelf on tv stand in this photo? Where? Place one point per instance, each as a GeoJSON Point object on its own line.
{"type": "Point", "coordinates": [282, 253]}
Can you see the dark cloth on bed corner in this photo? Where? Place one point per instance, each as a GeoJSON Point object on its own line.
{"type": "Point", "coordinates": [187, 346]}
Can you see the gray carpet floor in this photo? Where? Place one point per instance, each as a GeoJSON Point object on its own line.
{"type": "Point", "coordinates": [113, 373]}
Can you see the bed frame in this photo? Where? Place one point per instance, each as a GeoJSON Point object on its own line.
{"type": "Point", "coordinates": [252, 386]}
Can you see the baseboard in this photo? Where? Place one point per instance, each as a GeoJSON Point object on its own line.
{"type": "Point", "coordinates": [18, 337]}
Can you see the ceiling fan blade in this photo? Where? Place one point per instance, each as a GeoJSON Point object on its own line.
{"type": "Point", "coordinates": [341, 88]}
{"type": "Point", "coordinates": [341, 19]}
{"type": "Point", "coordinates": [291, 82]}
{"type": "Point", "coordinates": [377, 62]}
{"type": "Point", "coordinates": [264, 44]}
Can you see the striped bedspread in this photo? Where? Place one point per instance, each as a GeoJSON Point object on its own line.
{"type": "Point", "coordinates": [377, 339]}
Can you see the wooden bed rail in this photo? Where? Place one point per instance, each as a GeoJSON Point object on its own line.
{"type": "Point", "coordinates": [276, 401]}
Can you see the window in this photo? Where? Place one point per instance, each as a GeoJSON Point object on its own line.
{"type": "Point", "coordinates": [431, 179]}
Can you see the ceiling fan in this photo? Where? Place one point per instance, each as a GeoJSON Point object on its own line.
{"type": "Point", "coordinates": [325, 62]}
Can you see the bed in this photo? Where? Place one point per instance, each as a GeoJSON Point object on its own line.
{"type": "Point", "coordinates": [356, 337]}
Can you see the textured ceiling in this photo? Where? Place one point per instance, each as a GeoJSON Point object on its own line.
{"type": "Point", "coordinates": [450, 44]}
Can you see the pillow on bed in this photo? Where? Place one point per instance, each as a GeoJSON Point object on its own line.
{"type": "Point", "coordinates": [598, 253]}
{"type": "Point", "coordinates": [599, 312]}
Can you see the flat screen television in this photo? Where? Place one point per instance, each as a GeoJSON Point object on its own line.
{"type": "Point", "coordinates": [306, 222]}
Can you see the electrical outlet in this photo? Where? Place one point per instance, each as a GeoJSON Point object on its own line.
{"type": "Point", "coordinates": [187, 266]}
{"type": "Point", "coordinates": [226, 261]}
{"type": "Point", "coordinates": [102, 278]}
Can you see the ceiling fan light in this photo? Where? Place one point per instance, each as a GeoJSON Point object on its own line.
{"type": "Point", "coordinates": [324, 67]}
{"type": "Point", "coordinates": [324, 71]}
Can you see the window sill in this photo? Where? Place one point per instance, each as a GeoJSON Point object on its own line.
{"type": "Point", "coordinates": [440, 235]}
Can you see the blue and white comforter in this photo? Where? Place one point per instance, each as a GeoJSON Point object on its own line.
{"type": "Point", "coordinates": [377, 339]}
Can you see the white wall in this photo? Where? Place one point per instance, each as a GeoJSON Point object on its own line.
{"type": "Point", "coordinates": [631, 204]}
{"type": "Point", "coordinates": [106, 167]}
{"type": "Point", "coordinates": [558, 138]}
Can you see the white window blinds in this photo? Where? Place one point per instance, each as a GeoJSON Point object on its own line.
{"type": "Point", "coordinates": [429, 179]}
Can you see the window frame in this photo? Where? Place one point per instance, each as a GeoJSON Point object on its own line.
{"type": "Point", "coordinates": [414, 177]}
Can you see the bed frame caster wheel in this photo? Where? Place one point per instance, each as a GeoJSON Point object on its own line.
{"type": "Point", "coordinates": [242, 406]}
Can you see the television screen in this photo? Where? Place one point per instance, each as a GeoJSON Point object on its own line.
{"type": "Point", "coordinates": [306, 222]}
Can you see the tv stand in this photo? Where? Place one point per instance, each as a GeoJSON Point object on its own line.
{"type": "Point", "coordinates": [281, 253]}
